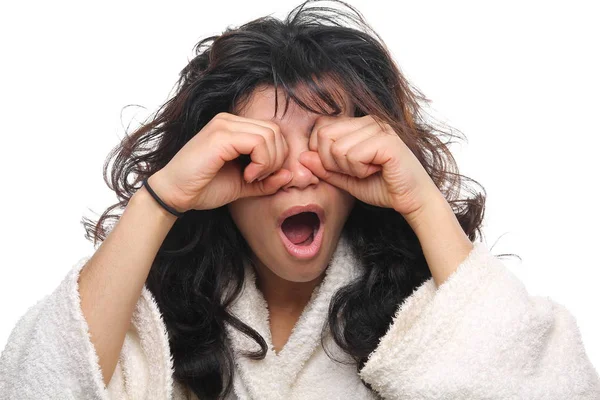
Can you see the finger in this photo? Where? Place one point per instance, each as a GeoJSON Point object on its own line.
{"type": "Point", "coordinates": [282, 152]}
{"type": "Point", "coordinates": [279, 147]}
{"type": "Point", "coordinates": [320, 123]}
{"type": "Point", "coordinates": [257, 168]}
{"type": "Point", "coordinates": [267, 186]}
{"type": "Point", "coordinates": [276, 139]}
{"type": "Point", "coordinates": [313, 162]}
{"type": "Point", "coordinates": [320, 141]}
{"type": "Point", "coordinates": [370, 155]}
{"type": "Point", "coordinates": [341, 147]}
{"type": "Point", "coordinates": [236, 143]}
{"type": "Point", "coordinates": [340, 126]}
{"type": "Point", "coordinates": [327, 131]}
{"type": "Point", "coordinates": [236, 118]}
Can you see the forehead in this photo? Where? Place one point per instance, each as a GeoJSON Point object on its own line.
{"type": "Point", "coordinates": [260, 104]}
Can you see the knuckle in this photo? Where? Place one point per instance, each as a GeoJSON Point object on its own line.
{"type": "Point", "coordinates": [219, 123]}
{"type": "Point", "coordinates": [286, 148]}
{"type": "Point", "coordinates": [352, 158]}
{"type": "Point", "coordinates": [270, 133]}
{"type": "Point", "coordinates": [274, 127]}
{"type": "Point", "coordinates": [337, 151]}
{"type": "Point", "coordinates": [368, 117]}
{"type": "Point", "coordinates": [323, 133]}
{"type": "Point", "coordinates": [262, 188]}
{"type": "Point", "coordinates": [260, 140]}
{"type": "Point", "coordinates": [285, 155]}
{"type": "Point", "coordinates": [279, 160]}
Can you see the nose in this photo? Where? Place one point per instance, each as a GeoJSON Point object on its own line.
{"type": "Point", "coordinates": [303, 177]}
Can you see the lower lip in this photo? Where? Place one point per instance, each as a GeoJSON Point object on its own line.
{"type": "Point", "coordinates": [303, 252]}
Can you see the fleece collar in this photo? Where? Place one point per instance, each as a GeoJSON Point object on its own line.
{"type": "Point", "coordinates": [273, 377]}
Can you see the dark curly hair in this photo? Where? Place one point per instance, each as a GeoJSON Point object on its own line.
{"type": "Point", "coordinates": [198, 270]}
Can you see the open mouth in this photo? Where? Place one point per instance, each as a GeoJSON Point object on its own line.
{"type": "Point", "coordinates": [301, 229]}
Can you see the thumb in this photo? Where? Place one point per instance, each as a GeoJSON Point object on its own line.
{"type": "Point", "coordinates": [312, 161]}
{"type": "Point", "coordinates": [267, 186]}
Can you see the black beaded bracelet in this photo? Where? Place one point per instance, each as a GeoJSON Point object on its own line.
{"type": "Point", "coordinates": [162, 203]}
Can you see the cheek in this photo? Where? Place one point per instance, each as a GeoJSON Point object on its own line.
{"type": "Point", "coordinates": [343, 201]}
{"type": "Point", "coordinates": [246, 214]}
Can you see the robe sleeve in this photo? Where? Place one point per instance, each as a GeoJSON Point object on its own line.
{"type": "Point", "coordinates": [49, 353]}
{"type": "Point", "coordinates": [480, 335]}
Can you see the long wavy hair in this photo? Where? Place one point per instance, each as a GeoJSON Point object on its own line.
{"type": "Point", "coordinates": [198, 271]}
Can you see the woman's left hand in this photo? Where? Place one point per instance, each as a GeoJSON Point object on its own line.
{"type": "Point", "coordinates": [372, 164]}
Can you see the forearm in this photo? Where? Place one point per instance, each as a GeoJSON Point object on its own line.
{"type": "Point", "coordinates": [112, 280]}
{"type": "Point", "coordinates": [444, 243]}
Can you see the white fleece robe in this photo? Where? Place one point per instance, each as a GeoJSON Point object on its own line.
{"type": "Point", "coordinates": [480, 335]}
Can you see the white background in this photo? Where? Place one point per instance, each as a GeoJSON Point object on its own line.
{"type": "Point", "coordinates": [519, 79]}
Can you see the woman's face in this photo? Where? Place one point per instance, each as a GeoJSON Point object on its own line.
{"type": "Point", "coordinates": [257, 217]}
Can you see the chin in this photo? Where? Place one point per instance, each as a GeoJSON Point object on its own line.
{"type": "Point", "coordinates": [302, 274]}
{"type": "Point", "coordinates": [293, 269]}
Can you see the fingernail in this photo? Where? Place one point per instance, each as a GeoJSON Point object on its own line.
{"type": "Point", "coordinates": [262, 177]}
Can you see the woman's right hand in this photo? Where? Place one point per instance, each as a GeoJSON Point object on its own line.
{"type": "Point", "coordinates": [203, 174]}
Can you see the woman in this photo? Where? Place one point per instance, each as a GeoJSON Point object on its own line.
{"type": "Point", "coordinates": [294, 231]}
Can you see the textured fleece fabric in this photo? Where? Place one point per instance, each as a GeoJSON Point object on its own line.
{"type": "Point", "coordinates": [480, 335]}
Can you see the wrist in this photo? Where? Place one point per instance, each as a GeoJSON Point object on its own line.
{"type": "Point", "coordinates": [142, 199]}
{"type": "Point", "coordinates": [158, 184]}
{"type": "Point", "coordinates": [444, 242]}
{"type": "Point", "coordinates": [431, 209]}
